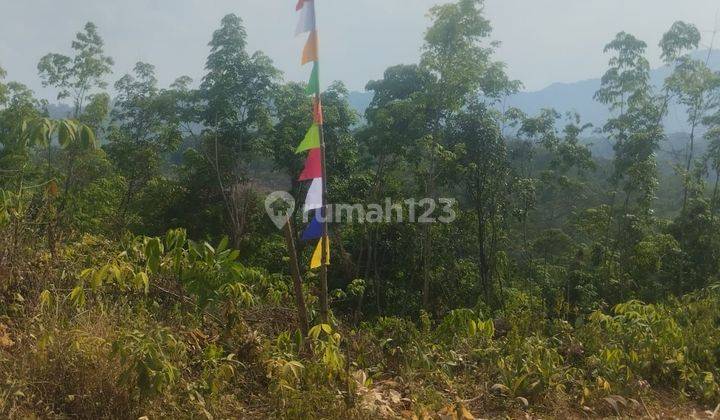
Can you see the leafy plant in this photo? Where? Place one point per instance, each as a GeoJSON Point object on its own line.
{"type": "Point", "coordinates": [149, 359]}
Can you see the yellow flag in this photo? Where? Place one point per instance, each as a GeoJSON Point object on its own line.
{"type": "Point", "coordinates": [317, 254]}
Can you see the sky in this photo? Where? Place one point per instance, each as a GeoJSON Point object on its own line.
{"type": "Point", "coordinates": [543, 41]}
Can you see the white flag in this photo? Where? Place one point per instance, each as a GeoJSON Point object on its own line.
{"type": "Point", "coordinates": [314, 196]}
{"type": "Point", "coordinates": [307, 18]}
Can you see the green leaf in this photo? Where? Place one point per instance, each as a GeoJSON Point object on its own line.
{"type": "Point", "coordinates": [46, 299]}
{"type": "Point", "coordinates": [87, 137]}
{"type": "Point", "coordinates": [153, 251]}
{"type": "Point", "coordinates": [77, 296]}
{"type": "Point", "coordinates": [223, 244]}
{"type": "Point", "coordinates": [67, 133]}
{"type": "Point", "coordinates": [142, 280]}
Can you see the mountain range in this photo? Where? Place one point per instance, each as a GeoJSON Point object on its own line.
{"type": "Point", "coordinates": [577, 97]}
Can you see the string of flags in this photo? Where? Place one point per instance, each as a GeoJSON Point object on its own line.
{"type": "Point", "coordinates": [314, 169]}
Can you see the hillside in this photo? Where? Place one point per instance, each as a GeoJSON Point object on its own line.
{"type": "Point", "coordinates": [246, 246]}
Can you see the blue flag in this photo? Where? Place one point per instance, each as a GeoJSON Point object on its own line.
{"type": "Point", "coordinates": [315, 229]}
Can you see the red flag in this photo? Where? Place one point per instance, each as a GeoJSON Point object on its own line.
{"type": "Point", "coordinates": [300, 4]}
{"type": "Point", "coordinates": [313, 169]}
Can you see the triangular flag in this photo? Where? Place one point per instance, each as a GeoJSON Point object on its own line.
{"type": "Point", "coordinates": [314, 230]}
{"type": "Point", "coordinates": [313, 166]}
{"type": "Point", "coordinates": [313, 86]}
{"type": "Point", "coordinates": [317, 111]}
{"type": "Point", "coordinates": [317, 254]}
{"type": "Point", "coordinates": [310, 52]}
{"type": "Point", "coordinates": [311, 140]}
{"type": "Point", "coordinates": [314, 198]}
{"type": "Point", "coordinates": [307, 18]}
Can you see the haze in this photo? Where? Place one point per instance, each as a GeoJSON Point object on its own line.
{"type": "Point", "coordinates": [543, 41]}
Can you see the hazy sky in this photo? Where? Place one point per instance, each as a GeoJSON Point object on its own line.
{"type": "Point", "coordinates": [543, 41]}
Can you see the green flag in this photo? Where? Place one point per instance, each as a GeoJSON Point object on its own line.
{"type": "Point", "coordinates": [313, 85]}
{"type": "Point", "coordinates": [311, 140]}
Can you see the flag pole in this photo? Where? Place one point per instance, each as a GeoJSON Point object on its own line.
{"type": "Point", "coordinates": [324, 245]}
{"type": "Point", "coordinates": [324, 309]}
{"type": "Point", "coordinates": [315, 139]}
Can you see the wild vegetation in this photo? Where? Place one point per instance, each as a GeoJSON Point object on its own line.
{"type": "Point", "coordinates": [140, 275]}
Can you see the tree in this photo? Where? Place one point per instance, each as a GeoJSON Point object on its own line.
{"type": "Point", "coordinates": [636, 126]}
{"type": "Point", "coordinates": [458, 54]}
{"type": "Point", "coordinates": [17, 171]}
{"type": "Point", "coordinates": [553, 160]}
{"type": "Point", "coordinates": [489, 182]}
{"type": "Point", "coordinates": [236, 94]}
{"type": "Point", "coordinates": [397, 121]}
{"type": "Point", "coordinates": [292, 110]}
{"type": "Point", "coordinates": [3, 88]}
{"type": "Point", "coordinates": [76, 77]}
{"type": "Point", "coordinates": [17, 105]}
{"type": "Point", "coordinates": [145, 126]}
{"type": "Point", "coordinates": [693, 84]}
{"type": "Point", "coordinates": [79, 78]}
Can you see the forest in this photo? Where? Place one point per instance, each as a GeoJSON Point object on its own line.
{"type": "Point", "coordinates": [141, 277]}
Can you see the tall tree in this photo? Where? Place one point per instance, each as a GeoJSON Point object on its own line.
{"type": "Point", "coordinates": [396, 122]}
{"type": "Point", "coordinates": [145, 126]}
{"type": "Point", "coordinates": [692, 83]}
{"type": "Point", "coordinates": [236, 93]}
{"type": "Point", "coordinates": [636, 126]}
{"type": "Point", "coordinates": [3, 87]}
{"type": "Point", "coordinates": [458, 53]}
{"type": "Point", "coordinates": [78, 76]}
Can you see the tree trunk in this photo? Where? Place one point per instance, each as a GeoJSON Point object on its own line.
{"type": "Point", "coordinates": [688, 165]}
{"type": "Point", "coordinates": [426, 255]}
{"type": "Point", "coordinates": [483, 260]}
{"type": "Point", "coordinates": [713, 204]}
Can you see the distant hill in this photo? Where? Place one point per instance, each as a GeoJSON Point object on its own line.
{"type": "Point", "coordinates": [576, 96]}
{"type": "Point", "coordinates": [59, 110]}
{"type": "Point", "coordinates": [359, 101]}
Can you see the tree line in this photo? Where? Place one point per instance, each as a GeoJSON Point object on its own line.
{"type": "Point", "coordinates": [536, 211]}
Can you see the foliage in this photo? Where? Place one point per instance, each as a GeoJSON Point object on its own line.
{"type": "Point", "coordinates": [139, 275]}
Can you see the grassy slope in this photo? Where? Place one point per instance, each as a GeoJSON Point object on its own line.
{"type": "Point", "coordinates": [59, 359]}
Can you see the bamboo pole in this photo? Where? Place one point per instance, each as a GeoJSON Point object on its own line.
{"type": "Point", "coordinates": [324, 309]}
{"type": "Point", "coordinates": [297, 279]}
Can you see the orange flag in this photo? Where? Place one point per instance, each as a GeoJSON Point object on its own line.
{"type": "Point", "coordinates": [317, 112]}
{"type": "Point", "coordinates": [310, 52]}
